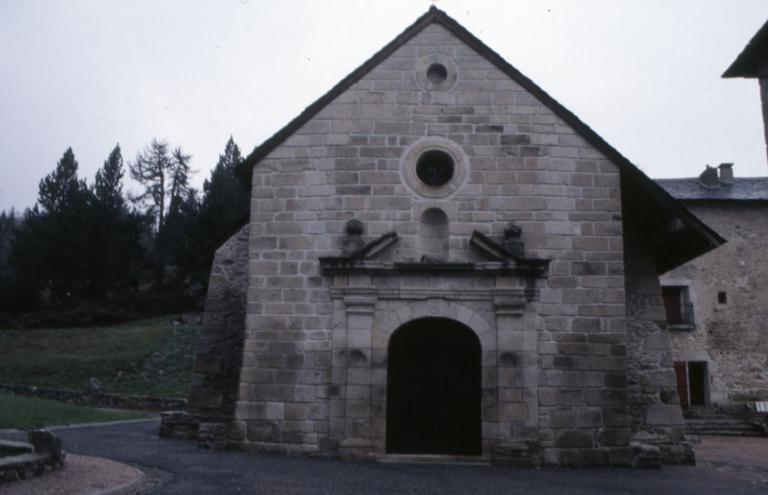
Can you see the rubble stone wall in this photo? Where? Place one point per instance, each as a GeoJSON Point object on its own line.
{"type": "Point", "coordinates": [216, 371]}
{"type": "Point", "coordinates": [731, 336]}
{"type": "Point", "coordinates": [655, 414]}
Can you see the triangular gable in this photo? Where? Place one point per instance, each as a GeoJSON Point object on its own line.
{"type": "Point", "coordinates": [705, 238]}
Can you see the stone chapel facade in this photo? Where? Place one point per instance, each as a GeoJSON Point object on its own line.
{"type": "Point", "coordinates": [442, 260]}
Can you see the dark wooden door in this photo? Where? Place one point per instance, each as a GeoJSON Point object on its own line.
{"type": "Point", "coordinates": [433, 389]}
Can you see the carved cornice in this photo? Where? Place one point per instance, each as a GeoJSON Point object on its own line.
{"type": "Point", "coordinates": [503, 299]}
{"type": "Point", "coordinates": [528, 268]}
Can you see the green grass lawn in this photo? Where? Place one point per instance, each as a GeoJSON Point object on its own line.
{"type": "Point", "coordinates": [27, 413]}
{"type": "Point", "coordinates": [148, 357]}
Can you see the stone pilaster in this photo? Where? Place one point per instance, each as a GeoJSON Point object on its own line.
{"type": "Point", "coordinates": [518, 377]}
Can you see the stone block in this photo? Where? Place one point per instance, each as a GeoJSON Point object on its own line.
{"type": "Point", "coordinates": [589, 417]}
{"type": "Point", "coordinates": [566, 458]}
{"type": "Point", "coordinates": [562, 418]}
{"type": "Point", "coordinates": [205, 364]}
{"type": "Point", "coordinates": [606, 397]}
{"type": "Point", "coordinates": [663, 414]}
{"type": "Point", "coordinates": [275, 410]}
{"type": "Point", "coordinates": [614, 437]}
{"type": "Point", "coordinates": [297, 411]}
{"type": "Point", "coordinates": [513, 412]}
{"type": "Point", "coordinates": [594, 458]}
{"type": "Point", "coordinates": [205, 398]}
{"type": "Point", "coordinates": [46, 442]}
{"type": "Point", "coordinates": [574, 439]}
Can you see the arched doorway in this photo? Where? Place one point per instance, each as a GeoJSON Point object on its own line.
{"type": "Point", "coordinates": [433, 389]}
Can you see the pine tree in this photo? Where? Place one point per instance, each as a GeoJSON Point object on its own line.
{"type": "Point", "coordinates": [226, 199]}
{"type": "Point", "coordinates": [115, 230]}
{"type": "Point", "coordinates": [51, 246]}
{"type": "Point", "coordinates": [61, 191]}
{"type": "Point", "coordinates": [108, 185]}
{"type": "Point", "coordinates": [8, 223]}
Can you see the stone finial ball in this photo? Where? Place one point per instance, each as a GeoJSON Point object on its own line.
{"type": "Point", "coordinates": [354, 227]}
{"type": "Point", "coordinates": [512, 230]}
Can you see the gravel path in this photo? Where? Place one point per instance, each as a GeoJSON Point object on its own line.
{"type": "Point", "coordinates": [727, 465]}
{"type": "Point", "coordinates": [79, 475]}
{"type": "Point", "coordinates": [745, 458]}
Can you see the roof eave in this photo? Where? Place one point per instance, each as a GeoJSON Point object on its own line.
{"type": "Point", "coordinates": [748, 62]}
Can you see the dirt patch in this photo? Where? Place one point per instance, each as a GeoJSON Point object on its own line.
{"type": "Point", "coordinates": [745, 458]}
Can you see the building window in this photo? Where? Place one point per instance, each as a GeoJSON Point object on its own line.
{"type": "Point", "coordinates": [677, 304]}
{"type": "Point", "coordinates": [722, 298]}
{"type": "Point", "coordinates": [435, 168]}
{"type": "Point", "coordinates": [437, 73]}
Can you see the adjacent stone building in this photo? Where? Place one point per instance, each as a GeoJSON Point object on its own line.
{"type": "Point", "coordinates": [443, 260]}
{"type": "Point", "coordinates": [717, 305]}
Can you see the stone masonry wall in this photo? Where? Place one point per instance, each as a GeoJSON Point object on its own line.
{"type": "Point", "coordinates": [564, 383]}
{"type": "Point", "coordinates": [655, 414]}
{"type": "Point", "coordinates": [731, 337]}
{"type": "Point", "coordinates": [216, 372]}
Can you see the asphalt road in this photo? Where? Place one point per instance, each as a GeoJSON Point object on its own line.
{"type": "Point", "coordinates": [187, 469]}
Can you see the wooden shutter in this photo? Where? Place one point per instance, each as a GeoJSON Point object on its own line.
{"type": "Point", "coordinates": [681, 373]}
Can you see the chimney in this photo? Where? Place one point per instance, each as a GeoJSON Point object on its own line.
{"type": "Point", "coordinates": [708, 178]}
{"type": "Point", "coordinates": [726, 173]}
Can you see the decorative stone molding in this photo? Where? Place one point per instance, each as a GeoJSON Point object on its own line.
{"type": "Point", "coordinates": [512, 302]}
{"type": "Point", "coordinates": [522, 268]}
{"type": "Point", "coordinates": [360, 303]}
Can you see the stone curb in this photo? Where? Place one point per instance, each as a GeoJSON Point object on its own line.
{"type": "Point", "coordinates": [125, 488]}
{"type": "Point", "coordinates": [97, 399]}
{"type": "Point", "coordinates": [103, 423]}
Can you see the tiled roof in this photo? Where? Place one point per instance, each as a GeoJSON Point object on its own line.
{"type": "Point", "coordinates": [742, 189]}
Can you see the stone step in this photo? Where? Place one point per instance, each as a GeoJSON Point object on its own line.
{"type": "Point", "coordinates": [433, 459]}
{"type": "Point", "coordinates": [726, 427]}
{"type": "Point", "coordinates": [718, 412]}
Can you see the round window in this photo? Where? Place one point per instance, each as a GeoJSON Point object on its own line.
{"type": "Point", "coordinates": [437, 73]}
{"type": "Point", "coordinates": [435, 168]}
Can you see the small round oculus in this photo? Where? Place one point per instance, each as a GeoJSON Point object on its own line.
{"type": "Point", "coordinates": [435, 168]}
{"type": "Point", "coordinates": [437, 73]}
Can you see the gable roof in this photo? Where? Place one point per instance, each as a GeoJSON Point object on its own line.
{"type": "Point", "coordinates": [755, 54]}
{"type": "Point", "coordinates": [742, 189]}
{"type": "Point", "coordinates": [637, 188]}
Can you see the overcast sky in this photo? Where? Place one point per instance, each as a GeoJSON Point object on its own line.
{"type": "Point", "coordinates": [644, 74]}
